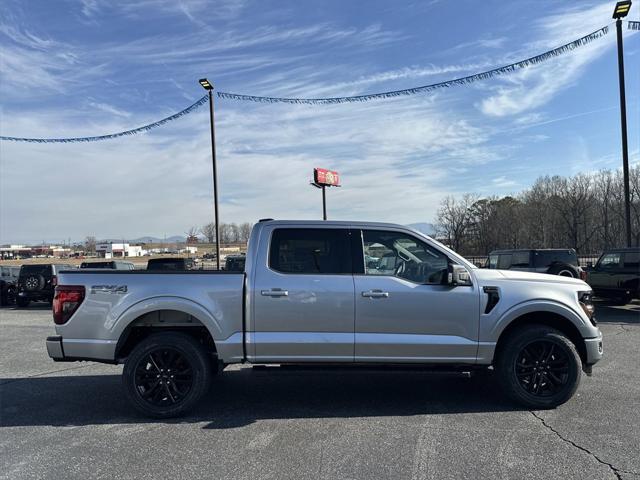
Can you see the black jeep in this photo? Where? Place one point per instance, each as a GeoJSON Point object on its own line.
{"type": "Point", "coordinates": [37, 282]}
{"type": "Point", "coordinates": [616, 275]}
{"type": "Point", "coordinates": [554, 261]}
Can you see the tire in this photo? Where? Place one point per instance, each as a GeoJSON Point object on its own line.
{"type": "Point", "coordinates": [22, 302]}
{"type": "Point", "coordinates": [546, 384]}
{"type": "Point", "coordinates": [564, 270]}
{"type": "Point", "coordinates": [149, 383]}
{"type": "Point", "coordinates": [623, 300]}
{"type": "Point", "coordinates": [34, 282]}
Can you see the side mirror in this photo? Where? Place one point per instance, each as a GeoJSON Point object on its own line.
{"type": "Point", "coordinates": [458, 276]}
{"type": "Point", "coordinates": [589, 264]}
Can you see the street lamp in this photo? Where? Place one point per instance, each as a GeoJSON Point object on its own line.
{"type": "Point", "coordinates": [209, 88]}
{"type": "Point", "coordinates": [621, 11]}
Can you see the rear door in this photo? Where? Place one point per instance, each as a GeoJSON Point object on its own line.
{"type": "Point", "coordinates": [304, 296]}
{"type": "Point", "coordinates": [404, 311]}
{"type": "Point", "coordinates": [603, 276]}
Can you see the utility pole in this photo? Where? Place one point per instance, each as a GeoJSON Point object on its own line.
{"type": "Point", "coordinates": [621, 11]}
{"type": "Point", "coordinates": [209, 88]}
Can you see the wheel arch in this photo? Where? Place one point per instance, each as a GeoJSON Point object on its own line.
{"type": "Point", "coordinates": [543, 317]}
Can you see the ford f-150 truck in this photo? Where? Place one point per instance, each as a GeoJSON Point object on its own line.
{"type": "Point", "coordinates": [328, 292]}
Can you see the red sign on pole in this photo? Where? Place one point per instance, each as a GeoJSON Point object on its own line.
{"type": "Point", "coordinates": [322, 176]}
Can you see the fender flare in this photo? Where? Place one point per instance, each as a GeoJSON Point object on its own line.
{"type": "Point", "coordinates": [119, 324]}
{"type": "Point", "coordinates": [537, 306]}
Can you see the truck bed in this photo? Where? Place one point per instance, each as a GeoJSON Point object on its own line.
{"type": "Point", "coordinates": [115, 298]}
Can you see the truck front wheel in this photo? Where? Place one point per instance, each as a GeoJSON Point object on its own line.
{"type": "Point", "coordinates": [166, 374]}
{"type": "Point", "coordinates": [539, 367]}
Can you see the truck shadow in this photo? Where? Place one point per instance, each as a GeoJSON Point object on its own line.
{"type": "Point", "coordinates": [609, 312]}
{"type": "Point", "coordinates": [243, 396]}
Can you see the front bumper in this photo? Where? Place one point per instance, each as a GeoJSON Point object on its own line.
{"type": "Point", "coordinates": [593, 348]}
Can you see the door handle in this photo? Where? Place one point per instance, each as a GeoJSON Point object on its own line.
{"type": "Point", "coordinates": [375, 294]}
{"type": "Point", "coordinates": [275, 292]}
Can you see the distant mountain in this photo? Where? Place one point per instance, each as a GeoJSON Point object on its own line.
{"type": "Point", "coordinates": [172, 239]}
{"type": "Point", "coordinates": [426, 228]}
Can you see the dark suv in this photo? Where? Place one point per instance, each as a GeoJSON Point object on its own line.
{"type": "Point", "coordinates": [171, 263]}
{"type": "Point", "coordinates": [562, 262]}
{"type": "Point", "coordinates": [616, 275]}
{"type": "Point", "coordinates": [109, 265]}
{"type": "Point", "coordinates": [8, 283]}
{"type": "Point", "coordinates": [37, 282]}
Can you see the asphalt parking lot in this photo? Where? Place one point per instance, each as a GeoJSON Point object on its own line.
{"type": "Point", "coordinates": [70, 420]}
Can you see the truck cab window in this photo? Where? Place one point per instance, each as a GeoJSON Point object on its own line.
{"type": "Point", "coordinates": [309, 250]}
{"type": "Point", "coordinates": [609, 260]}
{"type": "Point", "coordinates": [403, 256]}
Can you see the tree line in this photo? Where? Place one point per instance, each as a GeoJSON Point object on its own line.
{"type": "Point", "coordinates": [584, 212]}
{"type": "Point", "coordinates": [229, 232]}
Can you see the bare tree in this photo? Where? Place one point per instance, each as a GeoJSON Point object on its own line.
{"type": "Point", "coordinates": [90, 244]}
{"type": "Point", "coordinates": [192, 232]}
{"type": "Point", "coordinates": [209, 232]}
{"type": "Point", "coordinates": [585, 212]}
{"type": "Point", "coordinates": [454, 219]}
{"type": "Point", "coordinates": [245, 232]}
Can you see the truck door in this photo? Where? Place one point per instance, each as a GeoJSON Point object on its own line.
{"type": "Point", "coordinates": [404, 312]}
{"type": "Point", "coordinates": [304, 297]}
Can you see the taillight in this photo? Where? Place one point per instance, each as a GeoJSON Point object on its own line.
{"type": "Point", "coordinates": [66, 300]}
{"type": "Point", "coordinates": [583, 275]}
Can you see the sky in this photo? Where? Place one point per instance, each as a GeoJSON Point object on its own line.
{"type": "Point", "coordinates": [90, 67]}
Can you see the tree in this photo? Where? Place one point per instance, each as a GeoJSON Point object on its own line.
{"type": "Point", "coordinates": [90, 244]}
{"type": "Point", "coordinates": [245, 232]}
{"type": "Point", "coordinates": [209, 232]}
{"type": "Point", "coordinates": [454, 219]}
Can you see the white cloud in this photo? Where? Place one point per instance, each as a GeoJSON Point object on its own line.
{"type": "Point", "coordinates": [536, 86]}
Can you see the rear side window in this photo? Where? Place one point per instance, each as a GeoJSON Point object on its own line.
{"type": "Point", "coordinates": [504, 261]}
{"type": "Point", "coordinates": [493, 261]}
{"type": "Point", "coordinates": [310, 250]}
{"type": "Point", "coordinates": [545, 259]}
{"type": "Point", "coordinates": [35, 270]}
{"type": "Point", "coordinates": [632, 261]}
{"type": "Point", "coordinates": [520, 259]}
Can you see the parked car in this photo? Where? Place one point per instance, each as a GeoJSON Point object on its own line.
{"type": "Point", "coordinates": [171, 263]}
{"type": "Point", "coordinates": [8, 284]}
{"type": "Point", "coordinates": [235, 263]}
{"type": "Point", "coordinates": [616, 275]}
{"type": "Point", "coordinates": [554, 261]}
{"type": "Point", "coordinates": [109, 265]}
{"type": "Point", "coordinates": [36, 282]}
{"type": "Point", "coordinates": [307, 296]}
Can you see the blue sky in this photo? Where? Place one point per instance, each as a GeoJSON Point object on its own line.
{"type": "Point", "coordinates": [91, 67]}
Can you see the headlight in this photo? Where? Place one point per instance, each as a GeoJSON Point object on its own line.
{"type": "Point", "coordinates": [586, 302]}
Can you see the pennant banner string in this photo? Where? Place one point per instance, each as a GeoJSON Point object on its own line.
{"type": "Point", "coordinates": [135, 131]}
{"type": "Point", "coordinates": [567, 47]}
{"type": "Point", "coordinates": [632, 25]}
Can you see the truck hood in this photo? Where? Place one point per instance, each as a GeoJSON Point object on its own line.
{"type": "Point", "coordinates": [486, 274]}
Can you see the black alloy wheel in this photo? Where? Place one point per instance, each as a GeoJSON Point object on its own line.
{"type": "Point", "coordinates": [538, 366]}
{"type": "Point", "coordinates": [542, 368]}
{"type": "Point", "coordinates": [163, 377]}
{"type": "Point", "coordinates": [167, 374]}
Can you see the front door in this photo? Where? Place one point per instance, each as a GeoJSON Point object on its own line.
{"type": "Point", "coordinates": [304, 298]}
{"type": "Point", "coordinates": [404, 311]}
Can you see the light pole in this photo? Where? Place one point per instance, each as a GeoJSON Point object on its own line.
{"type": "Point", "coordinates": [209, 88]}
{"type": "Point", "coordinates": [621, 11]}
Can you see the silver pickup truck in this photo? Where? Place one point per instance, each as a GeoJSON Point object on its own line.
{"type": "Point", "coordinates": [328, 292]}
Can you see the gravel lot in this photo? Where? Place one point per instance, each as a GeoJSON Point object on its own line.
{"type": "Point", "coordinates": [70, 420]}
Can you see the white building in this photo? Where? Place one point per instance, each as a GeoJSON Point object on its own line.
{"type": "Point", "coordinates": [119, 250]}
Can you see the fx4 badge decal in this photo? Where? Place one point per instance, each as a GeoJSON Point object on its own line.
{"type": "Point", "coordinates": [108, 289]}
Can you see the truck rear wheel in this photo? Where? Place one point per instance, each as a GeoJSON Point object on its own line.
{"type": "Point", "coordinates": [539, 367]}
{"type": "Point", "coordinates": [166, 374]}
